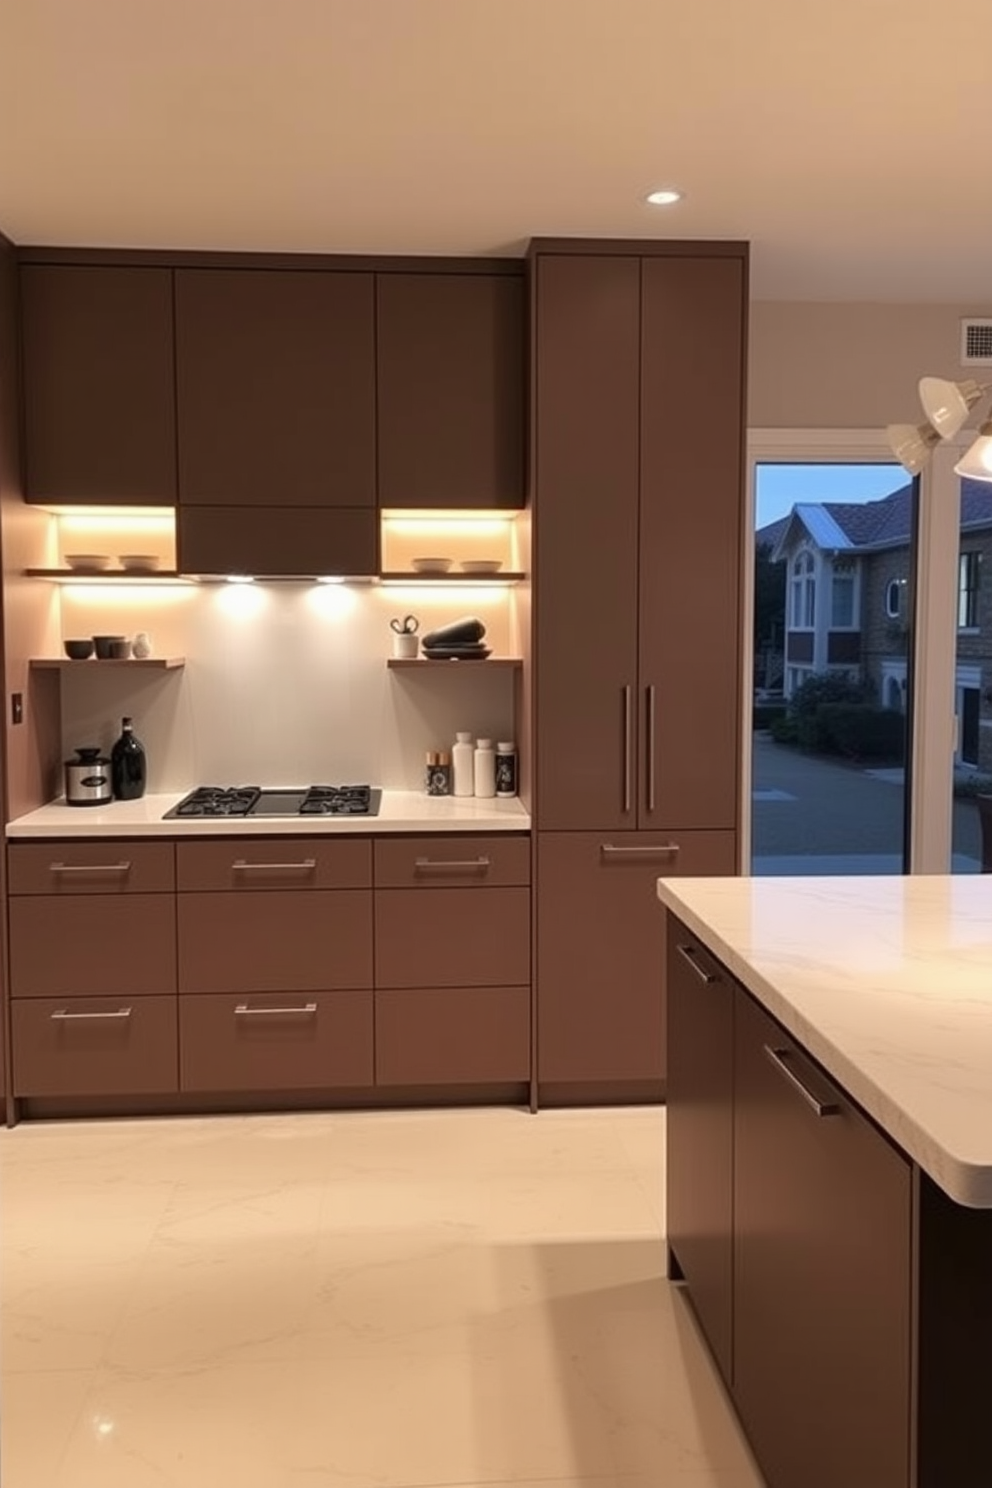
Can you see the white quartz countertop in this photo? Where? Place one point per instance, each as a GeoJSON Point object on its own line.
{"type": "Point", "coordinates": [888, 983]}
{"type": "Point", "coordinates": [400, 811]}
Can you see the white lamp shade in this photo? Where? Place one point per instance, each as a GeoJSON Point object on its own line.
{"type": "Point", "coordinates": [911, 444]}
{"type": "Point", "coordinates": [976, 464]}
{"type": "Point", "coordinates": [947, 404]}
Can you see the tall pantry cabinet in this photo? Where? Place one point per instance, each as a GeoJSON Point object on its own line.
{"type": "Point", "coordinates": [637, 481]}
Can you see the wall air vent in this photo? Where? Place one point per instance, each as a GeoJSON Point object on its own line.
{"type": "Point", "coordinates": [976, 342]}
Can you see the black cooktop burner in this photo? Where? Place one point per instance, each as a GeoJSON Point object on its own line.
{"type": "Point", "coordinates": [216, 800]}
{"type": "Point", "coordinates": [253, 800]}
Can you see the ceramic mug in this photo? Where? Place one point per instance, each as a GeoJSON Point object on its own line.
{"type": "Point", "coordinates": [406, 645]}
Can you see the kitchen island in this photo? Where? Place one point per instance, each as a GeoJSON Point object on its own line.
{"type": "Point", "coordinates": [830, 1167]}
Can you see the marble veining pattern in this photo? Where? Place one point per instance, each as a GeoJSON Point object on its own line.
{"type": "Point", "coordinates": [355, 1300]}
{"type": "Point", "coordinates": [888, 983]}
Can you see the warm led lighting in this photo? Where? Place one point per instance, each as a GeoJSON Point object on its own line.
{"type": "Point", "coordinates": [239, 579]}
{"type": "Point", "coordinates": [107, 524]}
{"type": "Point", "coordinates": [665, 196]}
{"type": "Point", "coordinates": [460, 595]}
{"type": "Point", "coordinates": [126, 591]}
{"type": "Point", "coordinates": [241, 600]}
{"type": "Point", "coordinates": [330, 579]}
{"type": "Point", "coordinates": [115, 514]}
{"type": "Point", "coordinates": [331, 601]}
{"type": "Point", "coordinates": [428, 526]}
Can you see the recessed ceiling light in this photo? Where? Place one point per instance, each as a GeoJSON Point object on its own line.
{"type": "Point", "coordinates": [666, 196]}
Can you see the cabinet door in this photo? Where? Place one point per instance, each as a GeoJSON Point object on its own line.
{"type": "Point", "coordinates": [699, 1169]}
{"type": "Point", "coordinates": [822, 1272]}
{"type": "Point", "coordinates": [281, 541]}
{"type": "Point", "coordinates": [601, 949]}
{"type": "Point", "coordinates": [276, 387]}
{"type": "Point", "coordinates": [450, 378]}
{"type": "Point", "coordinates": [586, 465]}
{"type": "Point", "coordinates": [99, 384]}
{"type": "Point", "coordinates": [452, 937]}
{"type": "Point", "coordinates": [692, 485]}
{"type": "Point", "coordinates": [268, 941]}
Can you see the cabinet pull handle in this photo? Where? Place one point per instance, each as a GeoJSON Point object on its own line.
{"type": "Point", "coordinates": [304, 865]}
{"type": "Point", "coordinates": [244, 1011]}
{"type": "Point", "coordinates": [649, 708]}
{"type": "Point", "coordinates": [660, 849]}
{"type": "Point", "coordinates": [62, 1015]}
{"type": "Point", "coordinates": [474, 865]}
{"type": "Point", "coordinates": [627, 705]}
{"type": "Point", "coordinates": [689, 953]}
{"type": "Point", "coordinates": [122, 867]}
{"type": "Point", "coordinates": [778, 1058]}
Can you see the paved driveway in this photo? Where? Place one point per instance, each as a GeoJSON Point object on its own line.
{"type": "Point", "coordinates": [813, 815]}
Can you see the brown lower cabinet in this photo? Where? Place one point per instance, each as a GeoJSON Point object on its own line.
{"type": "Point", "coordinates": [279, 1041]}
{"type": "Point", "coordinates": [90, 945]}
{"type": "Point", "coordinates": [95, 1046]}
{"type": "Point", "coordinates": [452, 1035]}
{"type": "Point", "coordinates": [601, 950]}
{"type": "Point", "coordinates": [791, 1218]}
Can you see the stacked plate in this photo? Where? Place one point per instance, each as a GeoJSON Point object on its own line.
{"type": "Point", "coordinates": [462, 640]}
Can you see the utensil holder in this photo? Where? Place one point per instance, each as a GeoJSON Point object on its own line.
{"type": "Point", "coordinates": [406, 646]}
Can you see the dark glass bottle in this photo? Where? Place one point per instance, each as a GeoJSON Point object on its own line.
{"type": "Point", "coordinates": [127, 765]}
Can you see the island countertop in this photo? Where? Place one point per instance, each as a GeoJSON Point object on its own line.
{"type": "Point", "coordinates": [887, 982]}
{"type": "Point", "coordinates": [400, 811]}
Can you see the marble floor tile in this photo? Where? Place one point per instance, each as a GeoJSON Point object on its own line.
{"type": "Point", "coordinates": [356, 1300]}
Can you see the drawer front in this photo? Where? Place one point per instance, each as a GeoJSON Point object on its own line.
{"type": "Point", "coordinates": [95, 1046]}
{"type": "Point", "coordinates": [446, 938]}
{"type": "Point", "coordinates": [452, 1036]}
{"type": "Point", "coordinates": [93, 946]}
{"type": "Point", "coordinates": [277, 1041]}
{"type": "Point", "coordinates": [91, 867]}
{"type": "Point", "coordinates": [274, 863]}
{"type": "Point", "coordinates": [455, 862]}
{"type": "Point", "coordinates": [262, 942]}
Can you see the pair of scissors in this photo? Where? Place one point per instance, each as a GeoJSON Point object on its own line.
{"type": "Point", "coordinates": [409, 625]}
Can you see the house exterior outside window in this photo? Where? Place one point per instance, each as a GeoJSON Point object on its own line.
{"type": "Point", "coordinates": [969, 582]}
{"type": "Point", "coordinates": [804, 592]}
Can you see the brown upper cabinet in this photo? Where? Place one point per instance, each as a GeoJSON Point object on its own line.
{"type": "Point", "coordinates": [98, 382]}
{"type": "Point", "coordinates": [275, 379]}
{"type": "Point", "coordinates": [638, 449]}
{"type": "Point", "coordinates": [450, 351]}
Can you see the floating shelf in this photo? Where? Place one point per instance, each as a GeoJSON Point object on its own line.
{"type": "Point", "coordinates": [399, 577]}
{"type": "Point", "coordinates": [400, 663]}
{"type": "Point", "coordinates": [155, 663]}
{"type": "Point", "coordinates": [107, 576]}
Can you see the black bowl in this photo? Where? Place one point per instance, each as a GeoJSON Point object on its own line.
{"type": "Point", "coordinates": [78, 650]}
{"type": "Point", "coordinates": [105, 646]}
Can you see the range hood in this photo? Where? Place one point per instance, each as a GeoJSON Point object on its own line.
{"type": "Point", "coordinates": [273, 542]}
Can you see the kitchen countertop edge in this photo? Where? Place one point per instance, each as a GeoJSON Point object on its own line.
{"type": "Point", "coordinates": [400, 812]}
{"type": "Point", "coordinates": [838, 980]}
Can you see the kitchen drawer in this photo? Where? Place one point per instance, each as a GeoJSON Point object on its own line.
{"type": "Point", "coordinates": [92, 946]}
{"type": "Point", "coordinates": [275, 863]}
{"type": "Point", "coordinates": [277, 1041]}
{"type": "Point", "coordinates": [88, 867]}
{"type": "Point", "coordinates": [447, 938]}
{"type": "Point", "coordinates": [262, 942]}
{"type": "Point", "coordinates": [456, 861]}
{"type": "Point", "coordinates": [452, 1036]}
{"type": "Point", "coordinates": [102, 1046]}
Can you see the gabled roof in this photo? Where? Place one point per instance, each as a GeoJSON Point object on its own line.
{"type": "Point", "coordinates": [870, 526]}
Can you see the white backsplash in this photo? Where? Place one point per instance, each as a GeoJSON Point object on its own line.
{"type": "Point", "coordinates": [283, 683]}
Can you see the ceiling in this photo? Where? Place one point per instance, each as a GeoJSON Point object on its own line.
{"type": "Point", "coordinates": [847, 139]}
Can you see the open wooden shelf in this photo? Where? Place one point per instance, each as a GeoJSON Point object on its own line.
{"type": "Point", "coordinates": [107, 576]}
{"type": "Point", "coordinates": [156, 663]}
{"type": "Point", "coordinates": [401, 577]}
{"type": "Point", "coordinates": [399, 663]}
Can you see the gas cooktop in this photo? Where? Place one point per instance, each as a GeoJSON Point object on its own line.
{"type": "Point", "coordinates": [255, 800]}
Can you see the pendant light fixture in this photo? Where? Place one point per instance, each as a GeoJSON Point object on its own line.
{"type": "Point", "coordinates": [947, 406]}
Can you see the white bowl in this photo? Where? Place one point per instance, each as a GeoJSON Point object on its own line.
{"type": "Point", "coordinates": [482, 565]}
{"type": "Point", "coordinates": [139, 562]}
{"type": "Point", "coordinates": [92, 561]}
{"type": "Point", "coordinates": [430, 565]}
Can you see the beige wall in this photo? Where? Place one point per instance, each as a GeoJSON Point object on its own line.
{"type": "Point", "coordinates": [849, 365]}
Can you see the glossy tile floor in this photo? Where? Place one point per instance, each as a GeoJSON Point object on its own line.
{"type": "Point", "coordinates": [349, 1301]}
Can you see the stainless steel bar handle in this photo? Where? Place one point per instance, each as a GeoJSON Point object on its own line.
{"type": "Point", "coordinates": [244, 1011]}
{"type": "Point", "coordinates": [122, 867]}
{"type": "Point", "coordinates": [62, 1015]}
{"type": "Point", "coordinates": [627, 741]}
{"type": "Point", "coordinates": [309, 864]}
{"type": "Point", "coordinates": [689, 953]}
{"type": "Point", "coordinates": [649, 701]}
{"type": "Point", "coordinates": [474, 864]}
{"type": "Point", "coordinates": [660, 849]}
{"type": "Point", "coordinates": [822, 1108]}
